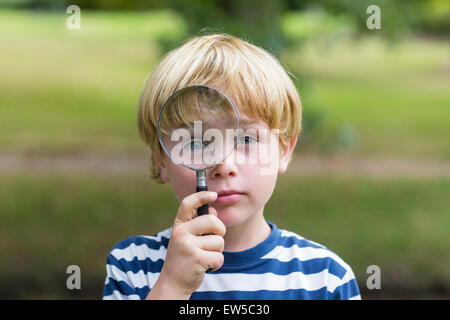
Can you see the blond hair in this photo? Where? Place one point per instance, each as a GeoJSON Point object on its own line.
{"type": "Point", "coordinates": [253, 78]}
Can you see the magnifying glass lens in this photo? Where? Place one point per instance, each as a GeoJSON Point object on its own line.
{"type": "Point", "coordinates": [197, 127]}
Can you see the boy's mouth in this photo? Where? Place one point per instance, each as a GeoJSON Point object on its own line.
{"type": "Point", "coordinates": [228, 196]}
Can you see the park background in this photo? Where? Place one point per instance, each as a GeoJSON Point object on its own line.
{"type": "Point", "coordinates": [371, 174]}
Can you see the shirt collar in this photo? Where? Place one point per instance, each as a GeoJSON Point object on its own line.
{"type": "Point", "coordinates": [253, 254]}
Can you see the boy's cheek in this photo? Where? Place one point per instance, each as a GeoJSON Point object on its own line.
{"type": "Point", "coordinates": [269, 154]}
{"type": "Point", "coordinates": [269, 163]}
{"type": "Point", "coordinates": [183, 181]}
{"type": "Point", "coordinates": [262, 187]}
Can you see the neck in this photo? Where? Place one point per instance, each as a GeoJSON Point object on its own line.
{"type": "Point", "coordinates": [247, 234]}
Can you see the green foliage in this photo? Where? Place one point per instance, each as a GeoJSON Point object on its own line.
{"type": "Point", "coordinates": [69, 92]}
{"type": "Point", "coordinates": [50, 222]}
{"type": "Point", "coordinates": [299, 26]}
{"type": "Point", "coordinates": [436, 17]}
{"type": "Point", "coordinates": [369, 97]}
{"type": "Point", "coordinates": [260, 19]}
{"type": "Point", "coordinates": [81, 87]}
{"type": "Point", "coordinates": [257, 21]}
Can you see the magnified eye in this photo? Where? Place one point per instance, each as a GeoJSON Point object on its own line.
{"type": "Point", "coordinates": [247, 139]}
{"type": "Point", "coordinates": [196, 144]}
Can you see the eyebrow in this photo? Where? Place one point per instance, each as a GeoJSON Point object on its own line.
{"type": "Point", "coordinates": [243, 123]}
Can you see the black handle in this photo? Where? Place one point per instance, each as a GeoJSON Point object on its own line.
{"type": "Point", "coordinates": [204, 209]}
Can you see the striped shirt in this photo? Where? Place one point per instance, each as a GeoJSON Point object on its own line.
{"type": "Point", "coordinates": [284, 266]}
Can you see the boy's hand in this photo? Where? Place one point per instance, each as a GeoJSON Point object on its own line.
{"type": "Point", "coordinates": [196, 245]}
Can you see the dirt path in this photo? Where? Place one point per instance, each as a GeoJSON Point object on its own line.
{"type": "Point", "coordinates": [303, 165]}
{"type": "Point", "coordinates": [377, 167]}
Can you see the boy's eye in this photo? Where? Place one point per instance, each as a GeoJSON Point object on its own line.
{"type": "Point", "coordinates": [246, 139]}
{"type": "Point", "coordinates": [195, 144]}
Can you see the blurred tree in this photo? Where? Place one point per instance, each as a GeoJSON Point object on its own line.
{"type": "Point", "coordinates": [260, 20]}
{"type": "Point", "coordinates": [256, 21]}
{"type": "Point", "coordinates": [278, 24]}
{"type": "Point", "coordinates": [398, 16]}
{"type": "Point", "coordinates": [436, 17]}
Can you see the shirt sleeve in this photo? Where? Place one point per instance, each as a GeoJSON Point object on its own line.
{"type": "Point", "coordinates": [345, 288]}
{"type": "Point", "coordinates": [118, 286]}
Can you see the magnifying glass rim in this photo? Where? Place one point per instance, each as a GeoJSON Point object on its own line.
{"type": "Point", "coordinates": [164, 106]}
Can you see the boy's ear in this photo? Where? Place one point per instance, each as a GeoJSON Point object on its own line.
{"type": "Point", "coordinates": [162, 170]}
{"type": "Point", "coordinates": [285, 155]}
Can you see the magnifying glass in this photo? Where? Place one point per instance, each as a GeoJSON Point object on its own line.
{"type": "Point", "coordinates": [197, 128]}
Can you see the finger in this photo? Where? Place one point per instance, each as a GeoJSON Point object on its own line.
{"type": "Point", "coordinates": [206, 224]}
{"type": "Point", "coordinates": [212, 260]}
{"type": "Point", "coordinates": [212, 210]}
{"type": "Point", "coordinates": [188, 207]}
{"type": "Point", "coordinates": [210, 243]}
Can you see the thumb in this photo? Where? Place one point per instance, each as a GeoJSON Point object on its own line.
{"type": "Point", "coordinates": [189, 205]}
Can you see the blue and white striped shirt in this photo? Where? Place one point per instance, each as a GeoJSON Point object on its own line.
{"type": "Point", "coordinates": [284, 266]}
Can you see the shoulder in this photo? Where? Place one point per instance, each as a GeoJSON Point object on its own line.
{"type": "Point", "coordinates": [133, 266]}
{"type": "Point", "coordinates": [294, 246]}
{"type": "Point", "coordinates": [317, 263]}
{"type": "Point", "coordinates": [138, 249]}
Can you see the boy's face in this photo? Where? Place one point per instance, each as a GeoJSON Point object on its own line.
{"type": "Point", "coordinates": [254, 179]}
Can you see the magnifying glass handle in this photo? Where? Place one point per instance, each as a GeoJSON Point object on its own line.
{"type": "Point", "coordinates": [204, 208]}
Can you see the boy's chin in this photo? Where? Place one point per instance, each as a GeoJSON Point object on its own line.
{"type": "Point", "coordinates": [231, 216]}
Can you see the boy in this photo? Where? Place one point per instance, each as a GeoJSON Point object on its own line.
{"type": "Point", "coordinates": [247, 256]}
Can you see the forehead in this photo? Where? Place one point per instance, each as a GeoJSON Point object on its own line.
{"type": "Point", "coordinates": [246, 121]}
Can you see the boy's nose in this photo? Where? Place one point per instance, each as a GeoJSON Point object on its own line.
{"type": "Point", "coordinates": [223, 170]}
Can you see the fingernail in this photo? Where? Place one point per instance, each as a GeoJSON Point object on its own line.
{"type": "Point", "coordinates": [212, 194]}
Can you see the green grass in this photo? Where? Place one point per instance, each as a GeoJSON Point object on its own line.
{"type": "Point", "coordinates": [69, 91]}
{"type": "Point", "coordinates": [50, 222]}
{"type": "Point", "coordinates": [394, 96]}
{"type": "Point", "coordinates": [399, 224]}
{"type": "Point", "coordinates": [388, 120]}
{"type": "Point", "coordinates": [65, 90]}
